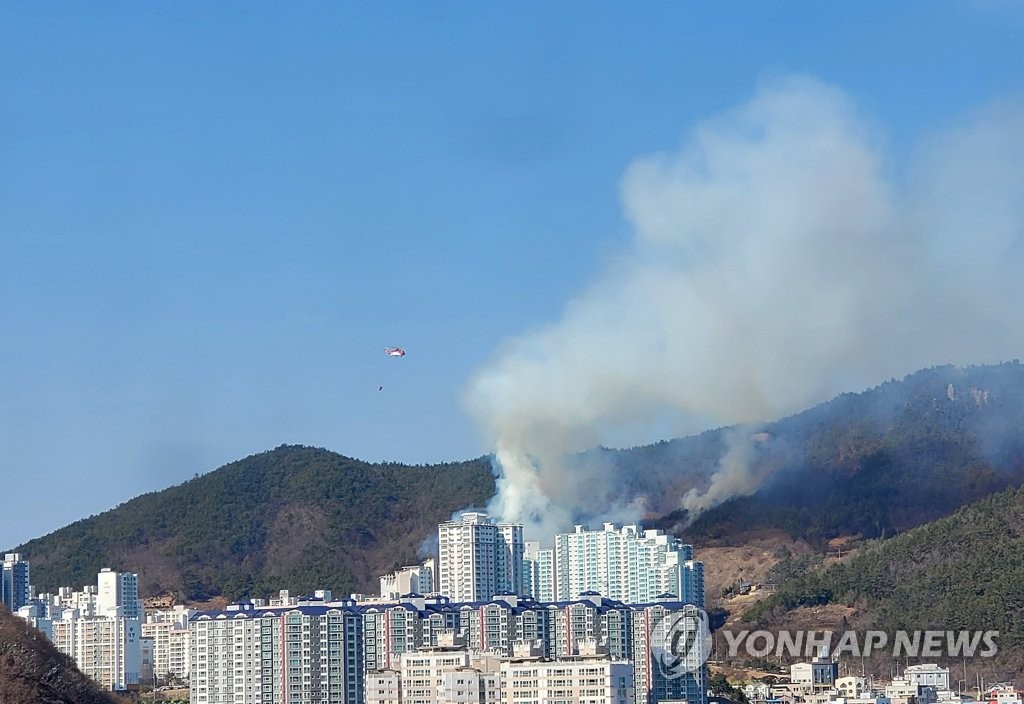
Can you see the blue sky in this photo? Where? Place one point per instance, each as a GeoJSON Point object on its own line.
{"type": "Point", "coordinates": [214, 217]}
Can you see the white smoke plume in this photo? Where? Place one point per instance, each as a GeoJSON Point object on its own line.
{"type": "Point", "coordinates": [735, 476]}
{"type": "Point", "coordinates": [779, 258]}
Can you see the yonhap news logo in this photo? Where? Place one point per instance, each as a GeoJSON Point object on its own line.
{"type": "Point", "coordinates": [898, 644]}
{"type": "Point", "coordinates": [681, 642]}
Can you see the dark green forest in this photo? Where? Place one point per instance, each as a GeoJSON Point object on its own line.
{"type": "Point", "coordinates": [962, 572]}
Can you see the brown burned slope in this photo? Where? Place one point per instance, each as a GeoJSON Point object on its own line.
{"type": "Point", "coordinates": [33, 671]}
{"type": "Point", "coordinates": [297, 518]}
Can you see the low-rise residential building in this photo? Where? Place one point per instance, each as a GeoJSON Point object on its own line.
{"type": "Point", "coordinates": [83, 600]}
{"type": "Point", "coordinates": [851, 687]}
{"type": "Point", "coordinates": [901, 690]}
{"type": "Point", "coordinates": [758, 692]}
{"type": "Point", "coordinates": [1003, 694]}
{"type": "Point", "coordinates": [819, 675]}
{"type": "Point", "coordinates": [927, 675]}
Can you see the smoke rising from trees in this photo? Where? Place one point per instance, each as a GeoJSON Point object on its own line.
{"type": "Point", "coordinates": [779, 257]}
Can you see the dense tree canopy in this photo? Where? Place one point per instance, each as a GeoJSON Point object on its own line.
{"type": "Point", "coordinates": [295, 518]}
{"type": "Point", "coordinates": [962, 572]}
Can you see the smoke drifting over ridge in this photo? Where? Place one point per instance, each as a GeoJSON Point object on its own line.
{"type": "Point", "coordinates": [776, 262]}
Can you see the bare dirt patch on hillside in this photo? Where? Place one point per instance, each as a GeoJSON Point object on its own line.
{"type": "Point", "coordinates": [725, 567]}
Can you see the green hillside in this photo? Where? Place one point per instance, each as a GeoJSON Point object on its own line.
{"type": "Point", "coordinates": [869, 464]}
{"type": "Point", "coordinates": [293, 518]}
{"type": "Point", "coordinates": [962, 572]}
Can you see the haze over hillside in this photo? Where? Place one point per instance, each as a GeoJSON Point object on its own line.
{"type": "Point", "coordinates": [300, 518]}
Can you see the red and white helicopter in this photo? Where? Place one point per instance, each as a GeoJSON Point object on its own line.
{"type": "Point", "coordinates": [392, 352]}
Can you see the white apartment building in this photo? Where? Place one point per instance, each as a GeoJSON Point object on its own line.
{"type": "Point", "coordinates": [289, 654]}
{"type": "Point", "coordinates": [171, 642]}
{"type": "Point", "coordinates": [415, 579]}
{"type": "Point", "coordinates": [99, 627]}
{"type": "Point", "coordinates": [422, 673]}
{"type": "Point", "coordinates": [382, 687]}
{"type": "Point", "coordinates": [225, 659]}
{"type": "Point", "coordinates": [118, 590]}
{"type": "Point", "coordinates": [106, 648]}
{"type": "Point", "coordinates": [284, 655]}
{"type": "Point", "coordinates": [628, 564]}
{"type": "Point", "coordinates": [451, 674]}
{"type": "Point", "coordinates": [591, 680]}
{"type": "Point", "coordinates": [479, 558]}
{"type": "Point", "coordinates": [83, 600]}
{"type": "Point", "coordinates": [508, 569]}
{"type": "Point", "coordinates": [657, 677]}
{"type": "Point", "coordinates": [539, 572]}
{"type": "Point", "coordinates": [470, 685]}
{"type": "Point", "coordinates": [37, 617]}
{"type": "Point", "coordinates": [434, 678]}
{"type": "Point", "coordinates": [636, 633]}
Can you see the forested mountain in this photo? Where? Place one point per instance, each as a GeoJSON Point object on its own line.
{"type": "Point", "coordinates": [962, 572]}
{"type": "Point", "coordinates": [868, 464]}
{"type": "Point", "coordinates": [873, 463]}
{"type": "Point", "coordinates": [294, 518]}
